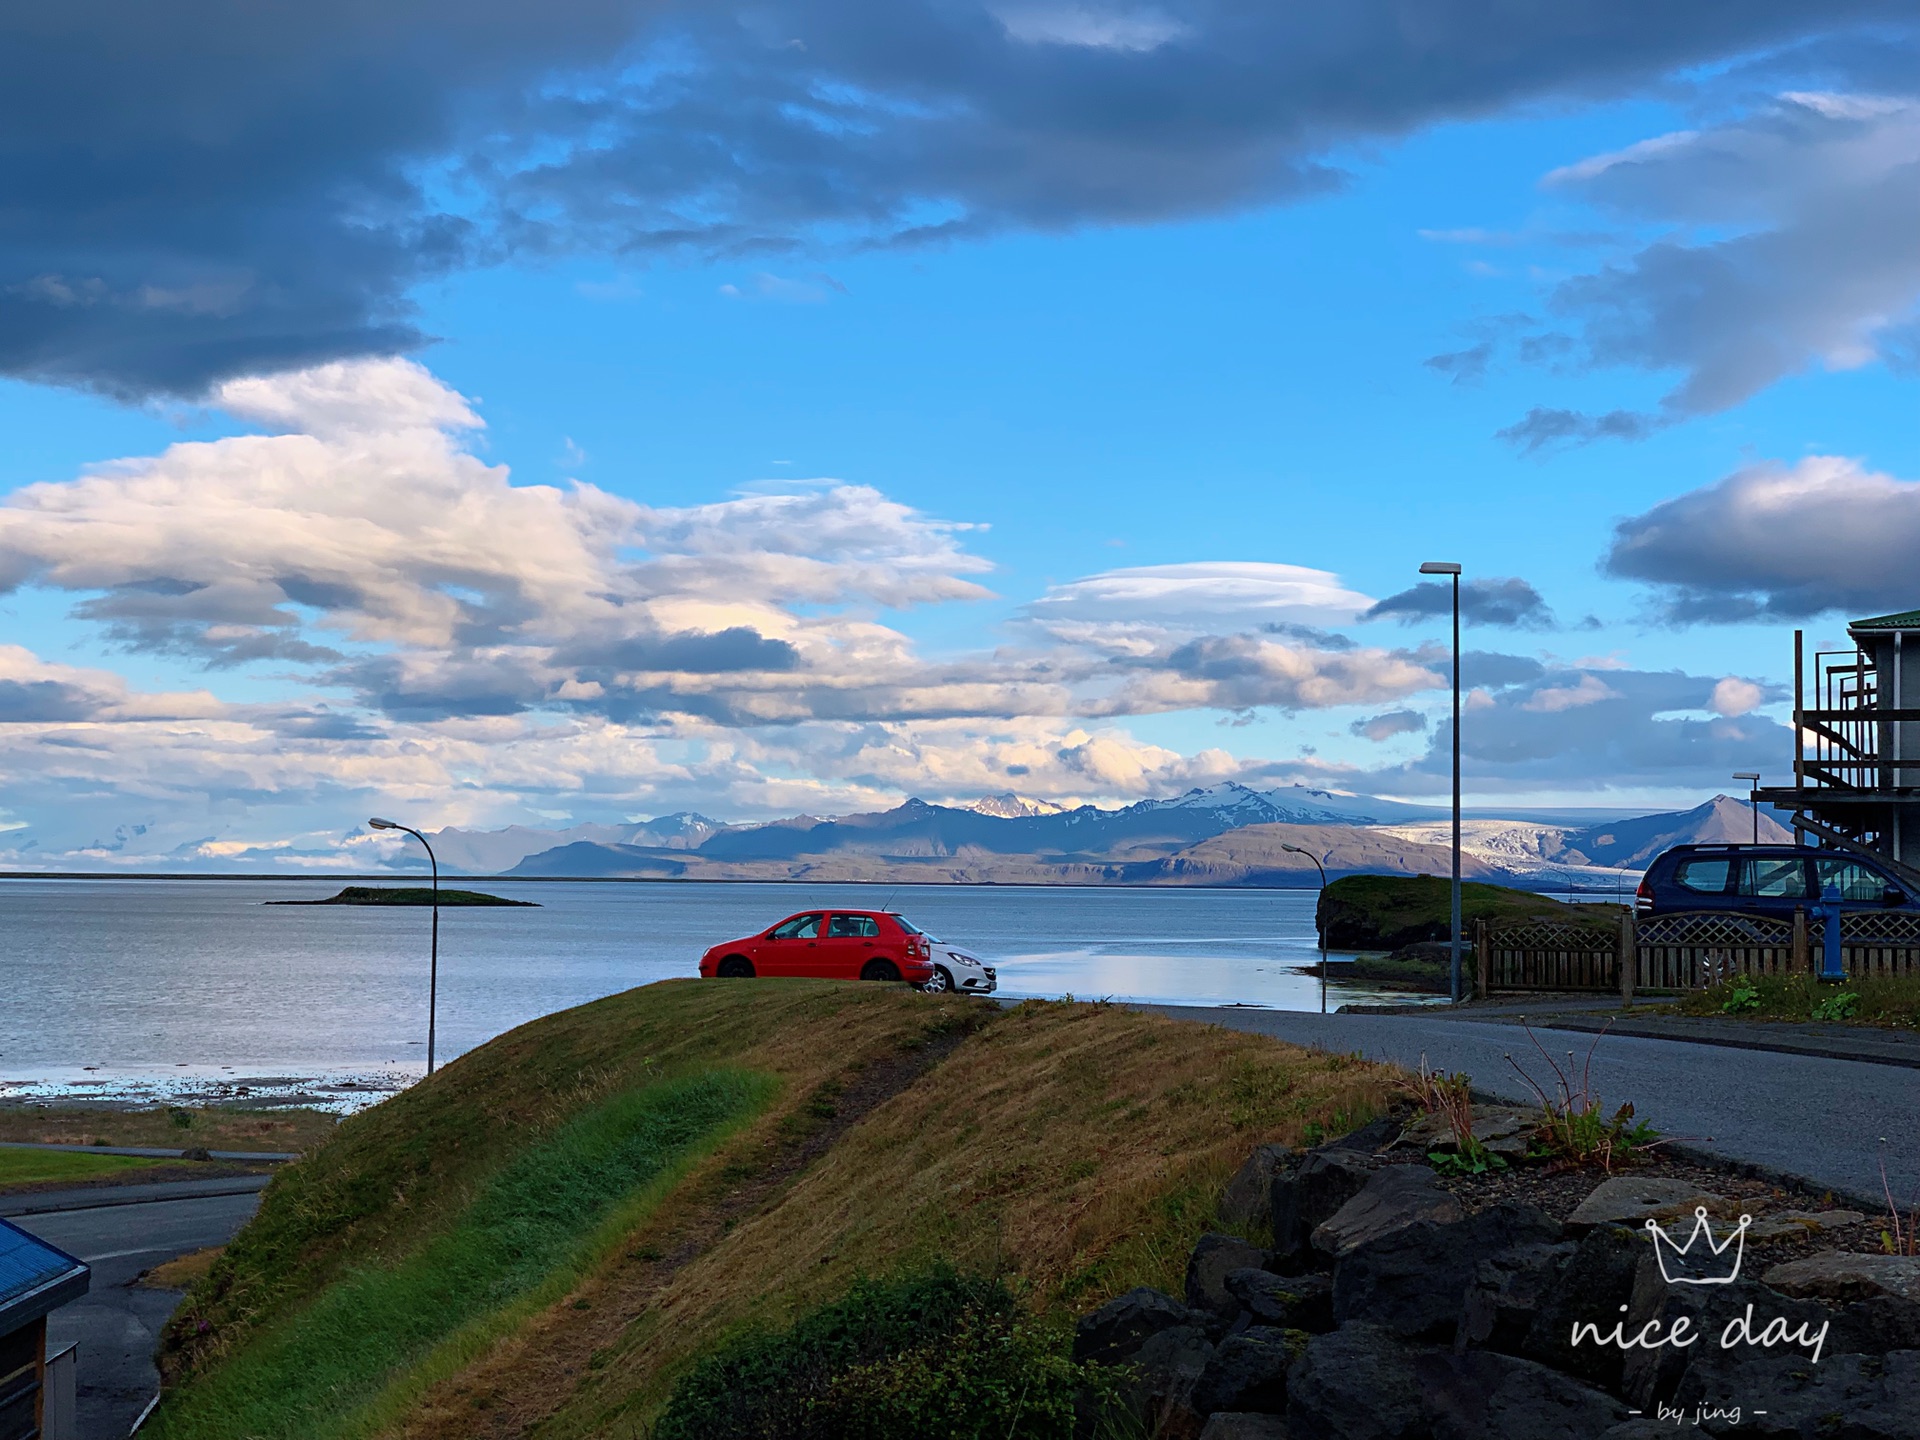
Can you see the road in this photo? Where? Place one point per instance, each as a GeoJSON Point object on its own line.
{"type": "Point", "coordinates": [117, 1323]}
{"type": "Point", "coordinates": [1804, 1115]}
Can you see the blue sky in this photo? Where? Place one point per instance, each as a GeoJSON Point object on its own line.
{"type": "Point", "coordinates": [1146, 345]}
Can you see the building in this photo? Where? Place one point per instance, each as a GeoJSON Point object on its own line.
{"type": "Point", "coordinates": [1856, 764]}
{"type": "Point", "coordinates": [35, 1280]}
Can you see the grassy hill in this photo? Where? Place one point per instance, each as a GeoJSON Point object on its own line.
{"type": "Point", "coordinates": [1385, 912]}
{"type": "Point", "coordinates": [542, 1237]}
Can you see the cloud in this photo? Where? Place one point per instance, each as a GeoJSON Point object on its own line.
{"type": "Point", "coordinates": [1774, 540]}
{"type": "Point", "coordinates": [1388, 724]}
{"type": "Point", "coordinates": [207, 191]}
{"type": "Point", "coordinates": [1764, 245]}
{"type": "Point", "coordinates": [1508, 603]}
{"type": "Point", "coordinates": [1207, 593]}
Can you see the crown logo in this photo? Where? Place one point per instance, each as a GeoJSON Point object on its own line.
{"type": "Point", "coordinates": [1706, 1266]}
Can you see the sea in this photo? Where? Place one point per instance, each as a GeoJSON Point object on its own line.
{"type": "Point", "coordinates": [149, 991]}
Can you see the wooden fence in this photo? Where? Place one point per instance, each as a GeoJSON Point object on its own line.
{"type": "Point", "coordinates": [1687, 950]}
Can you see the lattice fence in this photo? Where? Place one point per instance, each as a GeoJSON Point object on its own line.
{"type": "Point", "coordinates": [1689, 950]}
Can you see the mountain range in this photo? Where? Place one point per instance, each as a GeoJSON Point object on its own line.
{"type": "Point", "coordinates": [1227, 834]}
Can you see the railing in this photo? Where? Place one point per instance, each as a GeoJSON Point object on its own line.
{"type": "Point", "coordinates": [1688, 950]}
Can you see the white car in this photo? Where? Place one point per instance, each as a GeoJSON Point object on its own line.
{"type": "Point", "coordinates": [954, 969]}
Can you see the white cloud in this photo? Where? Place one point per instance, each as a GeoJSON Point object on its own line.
{"type": "Point", "coordinates": [1733, 696]}
{"type": "Point", "coordinates": [1205, 594]}
{"type": "Point", "coordinates": [1090, 26]}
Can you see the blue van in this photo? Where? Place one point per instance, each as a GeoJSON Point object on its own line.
{"type": "Point", "coordinates": [1770, 880]}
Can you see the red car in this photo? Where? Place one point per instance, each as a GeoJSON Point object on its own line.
{"type": "Point", "coordinates": [832, 945]}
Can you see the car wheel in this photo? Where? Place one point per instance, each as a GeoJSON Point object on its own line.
{"type": "Point", "coordinates": [879, 970]}
{"type": "Point", "coordinates": [937, 983]}
{"type": "Point", "coordinates": [735, 967]}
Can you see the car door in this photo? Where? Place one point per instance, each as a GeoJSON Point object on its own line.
{"type": "Point", "coordinates": [844, 949]}
{"type": "Point", "coordinates": [1774, 885]}
{"type": "Point", "coordinates": [792, 947]}
{"type": "Point", "coordinates": [1860, 886]}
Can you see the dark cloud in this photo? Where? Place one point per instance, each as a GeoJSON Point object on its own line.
{"type": "Point", "coordinates": [1509, 603]}
{"type": "Point", "coordinates": [1544, 428]}
{"type": "Point", "coordinates": [737, 648]}
{"type": "Point", "coordinates": [1778, 541]}
{"type": "Point", "coordinates": [1389, 724]}
{"type": "Point", "coordinates": [201, 189]}
{"type": "Point", "coordinates": [30, 702]}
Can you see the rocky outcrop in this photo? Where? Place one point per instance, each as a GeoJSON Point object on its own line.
{"type": "Point", "coordinates": [1213, 1260]}
{"type": "Point", "coordinates": [1248, 1198]}
{"type": "Point", "coordinates": [1414, 1281]}
{"type": "Point", "coordinates": [1833, 1275]}
{"type": "Point", "coordinates": [1392, 1199]}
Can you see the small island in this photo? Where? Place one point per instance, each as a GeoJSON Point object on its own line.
{"type": "Point", "coordinates": [407, 895]}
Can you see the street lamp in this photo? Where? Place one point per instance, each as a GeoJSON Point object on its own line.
{"type": "Point", "coordinates": [1318, 925]}
{"type": "Point", "coordinates": [1448, 567]}
{"type": "Point", "coordinates": [433, 964]}
{"type": "Point", "coordinates": [1753, 799]}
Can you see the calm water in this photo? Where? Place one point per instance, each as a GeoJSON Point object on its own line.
{"type": "Point", "coordinates": [153, 977]}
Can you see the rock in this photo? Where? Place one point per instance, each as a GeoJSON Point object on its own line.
{"type": "Point", "coordinates": [1296, 1302]}
{"type": "Point", "coordinates": [1214, 1258]}
{"type": "Point", "coordinates": [1780, 1394]}
{"type": "Point", "coordinates": [1594, 1286]}
{"type": "Point", "coordinates": [1628, 1199]}
{"type": "Point", "coordinates": [1802, 1222]}
{"type": "Point", "coordinates": [1113, 1334]}
{"type": "Point", "coordinates": [1248, 1198]}
{"type": "Point", "coordinates": [1238, 1425]}
{"type": "Point", "coordinates": [1874, 1326]}
{"type": "Point", "coordinates": [1651, 1376]}
{"type": "Point", "coordinates": [1165, 1371]}
{"type": "Point", "coordinates": [1359, 1383]}
{"type": "Point", "coordinates": [1506, 1293]}
{"type": "Point", "coordinates": [1413, 1282]}
{"type": "Point", "coordinates": [1503, 1130]}
{"type": "Point", "coordinates": [1370, 1138]}
{"type": "Point", "coordinates": [1392, 1199]}
{"type": "Point", "coordinates": [1248, 1371]}
{"type": "Point", "coordinates": [198, 1152]}
{"type": "Point", "coordinates": [1836, 1275]}
{"type": "Point", "coordinates": [1308, 1195]}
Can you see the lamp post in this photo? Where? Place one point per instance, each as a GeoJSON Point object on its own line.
{"type": "Point", "coordinates": [433, 963]}
{"type": "Point", "coordinates": [1753, 799]}
{"type": "Point", "coordinates": [1448, 567]}
{"type": "Point", "coordinates": [1319, 928]}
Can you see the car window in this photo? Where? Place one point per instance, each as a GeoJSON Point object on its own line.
{"type": "Point", "coordinates": [913, 929]}
{"type": "Point", "coordinates": [1855, 881]}
{"type": "Point", "coordinates": [852, 927]}
{"type": "Point", "coordinates": [1706, 877]}
{"type": "Point", "coordinates": [801, 927]}
{"type": "Point", "coordinates": [1774, 877]}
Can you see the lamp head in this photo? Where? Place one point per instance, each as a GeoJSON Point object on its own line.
{"type": "Point", "coordinates": [1294, 848]}
{"type": "Point", "coordinates": [1747, 775]}
{"type": "Point", "coordinates": [1440, 567]}
{"type": "Point", "coordinates": [378, 824]}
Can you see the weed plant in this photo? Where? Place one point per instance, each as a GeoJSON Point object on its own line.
{"type": "Point", "coordinates": [1576, 1129]}
{"type": "Point", "coordinates": [930, 1353]}
{"type": "Point", "coordinates": [1864, 1000]}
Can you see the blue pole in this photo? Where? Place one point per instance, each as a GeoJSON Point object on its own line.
{"type": "Point", "coordinates": [1830, 967]}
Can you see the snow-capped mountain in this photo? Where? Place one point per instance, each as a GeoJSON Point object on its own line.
{"type": "Point", "coordinates": [1009, 806]}
{"type": "Point", "coordinates": [1289, 805]}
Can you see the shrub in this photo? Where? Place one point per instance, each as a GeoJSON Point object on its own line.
{"type": "Point", "coordinates": [932, 1355]}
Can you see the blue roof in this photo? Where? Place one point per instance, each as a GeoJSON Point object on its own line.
{"type": "Point", "coordinates": [35, 1277]}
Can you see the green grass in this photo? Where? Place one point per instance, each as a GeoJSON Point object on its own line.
{"type": "Point", "coordinates": [530, 1229]}
{"type": "Point", "coordinates": [1882, 1000]}
{"type": "Point", "coordinates": [27, 1167]}
{"type": "Point", "coordinates": [1384, 912]}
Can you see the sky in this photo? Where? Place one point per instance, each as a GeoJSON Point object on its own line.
{"type": "Point", "coordinates": [493, 414]}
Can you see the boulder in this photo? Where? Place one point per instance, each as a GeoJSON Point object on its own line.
{"type": "Point", "coordinates": [1802, 1222]}
{"type": "Point", "coordinates": [1239, 1425]}
{"type": "Point", "coordinates": [1307, 1196]}
{"type": "Point", "coordinates": [1213, 1259]}
{"type": "Point", "coordinates": [1248, 1198]}
{"type": "Point", "coordinates": [1413, 1281]}
{"type": "Point", "coordinates": [1874, 1326]}
{"type": "Point", "coordinates": [1837, 1275]}
{"type": "Point", "coordinates": [1248, 1371]}
{"type": "Point", "coordinates": [1782, 1395]}
{"type": "Point", "coordinates": [1165, 1371]}
{"type": "Point", "coordinates": [1650, 1376]}
{"type": "Point", "coordinates": [1113, 1334]}
{"type": "Point", "coordinates": [1506, 1294]}
{"type": "Point", "coordinates": [1370, 1138]}
{"type": "Point", "coordinates": [1595, 1285]}
{"type": "Point", "coordinates": [1503, 1130]}
{"type": "Point", "coordinates": [1392, 1199]}
{"type": "Point", "coordinates": [1296, 1302]}
{"type": "Point", "coordinates": [1360, 1383]}
{"type": "Point", "coordinates": [1629, 1199]}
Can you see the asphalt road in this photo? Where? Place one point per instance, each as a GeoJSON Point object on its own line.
{"type": "Point", "coordinates": [117, 1323]}
{"type": "Point", "coordinates": [1808, 1116]}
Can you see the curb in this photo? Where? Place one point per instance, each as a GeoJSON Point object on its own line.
{"type": "Point", "coordinates": [148, 1152]}
{"type": "Point", "coordinates": [1734, 1042]}
{"type": "Point", "coordinates": [53, 1202]}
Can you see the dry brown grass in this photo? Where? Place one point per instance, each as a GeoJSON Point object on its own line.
{"type": "Point", "coordinates": [1079, 1149]}
{"type": "Point", "coordinates": [181, 1271]}
{"type": "Point", "coordinates": [209, 1127]}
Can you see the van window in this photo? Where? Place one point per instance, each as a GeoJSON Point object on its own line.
{"type": "Point", "coordinates": [1705, 877]}
{"type": "Point", "coordinates": [852, 927]}
{"type": "Point", "coordinates": [1855, 881]}
{"type": "Point", "coordinates": [1775, 877]}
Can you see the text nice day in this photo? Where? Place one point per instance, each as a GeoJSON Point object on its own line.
{"type": "Point", "coordinates": [1738, 1330]}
